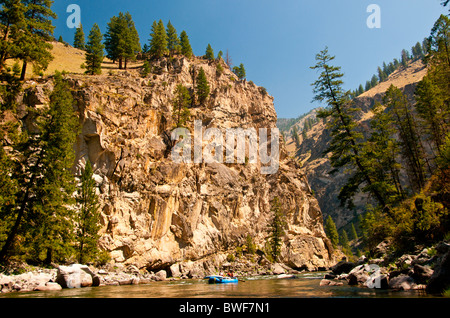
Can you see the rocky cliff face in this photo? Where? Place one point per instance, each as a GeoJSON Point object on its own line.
{"type": "Point", "coordinates": [157, 213]}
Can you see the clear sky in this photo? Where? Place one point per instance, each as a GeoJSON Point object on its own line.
{"type": "Point", "coordinates": [277, 40]}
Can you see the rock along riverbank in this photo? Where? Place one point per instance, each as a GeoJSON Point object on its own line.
{"type": "Point", "coordinates": [428, 270]}
{"type": "Point", "coordinates": [79, 276]}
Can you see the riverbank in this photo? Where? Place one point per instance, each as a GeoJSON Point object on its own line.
{"type": "Point", "coordinates": [428, 269]}
{"type": "Point", "coordinates": [78, 276]}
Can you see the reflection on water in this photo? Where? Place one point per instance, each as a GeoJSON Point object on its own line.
{"type": "Point", "coordinates": [304, 286]}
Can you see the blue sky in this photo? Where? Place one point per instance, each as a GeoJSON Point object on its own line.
{"type": "Point", "coordinates": [277, 40]}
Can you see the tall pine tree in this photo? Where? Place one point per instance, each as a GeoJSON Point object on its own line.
{"type": "Point", "coordinates": [173, 42]}
{"type": "Point", "coordinates": [79, 41]}
{"type": "Point", "coordinates": [209, 53]}
{"type": "Point", "coordinates": [186, 48]}
{"type": "Point", "coordinates": [433, 92]}
{"type": "Point", "coordinates": [345, 139]}
{"type": "Point", "coordinates": [181, 102]}
{"type": "Point", "coordinates": [42, 169]}
{"type": "Point", "coordinates": [410, 143]}
{"type": "Point", "coordinates": [202, 87]}
{"type": "Point", "coordinates": [39, 30]}
{"type": "Point", "coordinates": [331, 231]}
{"type": "Point", "coordinates": [94, 51]}
{"type": "Point", "coordinates": [158, 40]}
{"type": "Point", "coordinates": [379, 154]}
{"type": "Point", "coordinates": [276, 228]}
{"type": "Point", "coordinates": [122, 40]}
{"type": "Point", "coordinates": [87, 217]}
{"type": "Point", "coordinates": [13, 25]}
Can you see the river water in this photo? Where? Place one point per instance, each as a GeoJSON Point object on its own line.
{"type": "Point", "coordinates": [303, 286]}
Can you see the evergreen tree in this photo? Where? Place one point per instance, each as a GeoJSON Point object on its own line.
{"type": "Point", "coordinates": [181, 102]}
{"type": "Point", "coordinates": [354, 234]}
{"type": "Point", "coordinates": [122, 40]}
{"type": "Point", "coordinates": [114, 29]}
{"type": "Point", "coordinates": [411, 147]}
{"type": "Point", "coordinates": [434, 113]}
{"type": "Point", "coordinates": [251, 247]}
{"type": "Point", "coordinates": [12, 24]}
{"type": "Point", "coordinates": [186, 49]}
{"type": "Point", "coordinates": [404, 58]}
{"type": "Point", "coordinates": [439, 41]}
{"type": "Point", "coordinates": [10, 88]}
{"type": "Point", "coordinates": [79, 39]}
{"type": "Point", "coordinates": [209, 53]}
{"type": "Point", "coordinates": [379, 154]}
{"type": "Point", "coordinates": [296, 137]}
{"type": "Point", "coordinates": [132, 42]}
{"type": "Point", "coordinates": [374, 81]}
{"type": "Point", "coordinates": [360, 90]}
{"type": "Point", "coordinates": [41, 217]}
{"type": "Point", "coordinates": [8, 190]}
{"type": "Point", "coordinates": [94, 51]}
{"type": "Point", "coordinates": [276, 228]}
{"type": "Point", "coordinates": [173, 42]}
{"type": "Point", "coordinates": [381, 75]}
{"type": "Point", "coordinates": [345, 139]}
{"type": "Point", "coordinates": [417, 51]}
{"type": "Point", "coordinates": [87, 217]}
{"type": "Point", "coordinates": [331, 231]}
{"type": "Point", "coordinates": [203, 88]}
{"type": "Point", "coordinates": [433, 92]}
{"type": "Point", "coordinates": [240, 71]}
{"type": "Point", "coordinates": [39, 30]}
{"type": "Point", "coordinates": [54, 233]}
{"type": "Point", "coordinates": [158, 40]}
{"type": "Point", "coordinates": [343, 240]}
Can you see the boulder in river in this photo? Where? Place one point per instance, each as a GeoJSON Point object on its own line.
{"type": "Point", "coordinates": [76, 276]}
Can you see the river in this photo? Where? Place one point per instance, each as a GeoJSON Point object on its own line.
{"type": "Point", "coordinates": [305, 285]}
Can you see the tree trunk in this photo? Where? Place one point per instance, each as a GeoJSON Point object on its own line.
{"type": "Point", "coordinates": [48, 259]}
{"type": "Point", "coordinates": [20, 214]}
{"type": "Point", "coordinates": [24, 70]}
{"type": "Point", "coordinates": [120, 63]}
{"type": "Point", "coordinates": [15, 228]}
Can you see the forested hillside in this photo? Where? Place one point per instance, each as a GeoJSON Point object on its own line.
{"type": "Point", "coordinates": [379, 162]}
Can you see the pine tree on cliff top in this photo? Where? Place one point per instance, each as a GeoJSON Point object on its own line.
{"type": "Point", "coordinates": [186, 48]}
{"type": "Point", "coordinates": [173, 42]}
{"type": "Point", "coordinates": [94, 51]}
{"type": "Point", "coordinates": [158, 40]}
{"type": "Point", "coordinates": [122, 40]}
{"type": "Point", "coordinates": [39, 30]}
{"type": "Point", "coordinates": [209, 53]}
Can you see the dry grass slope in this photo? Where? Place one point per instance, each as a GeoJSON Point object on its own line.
{"type": "Point", "coordinates": [69, 59]}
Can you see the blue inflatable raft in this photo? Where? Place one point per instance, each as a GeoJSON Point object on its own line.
{"type": "Point", "coordinates": [221, 280]}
